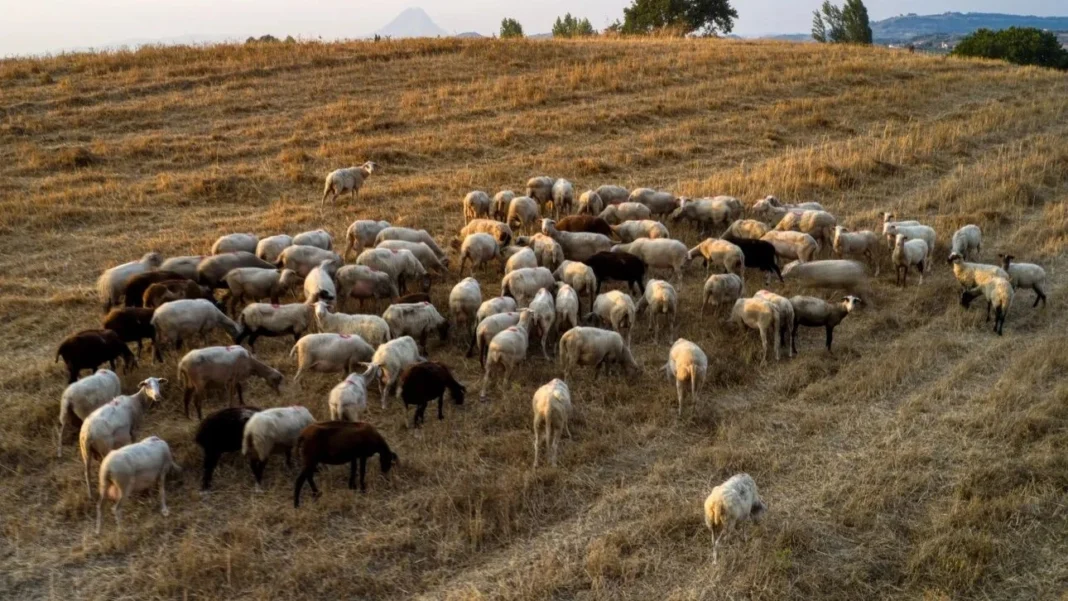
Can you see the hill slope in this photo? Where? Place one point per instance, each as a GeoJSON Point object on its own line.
{"type": "Point", "coordinates": [925, 459]}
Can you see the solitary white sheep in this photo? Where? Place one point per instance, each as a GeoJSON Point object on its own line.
{"type": "Point", "coordinates": [552, 410]}
{"type": "Point", "coordinates": [235, 242]}
{"type": "Point", "coordinates": [348, 400]}
{"type": "Point", "coordinates": [372, 328]}
{"type": "Point", "coordinates": [350, 180]}
{"type": "Point", "coordinates": [131, 469]}
{"type": "Point", "coordinates": [115, 423]}
{"type": "Point", "coordinates": [327, 353]}
{"type": "Point", "coordinates": [659, 299]}
{"type": "Point", "coordinates": [272, 431]}
{"type": "Point", "coordinates": [722, 288]}
{"type": "Point", "coordinates": [728, 504]}
{"type": "Point", "coordinates": [83, 397]}
{"type": "Point", "coordinates": [362, 234]}
{"type": "Point", "coordinates": [112, 283]}
{"type": "Point", "coordinates": [687, 363]}
{"type": "Point", "coordinates": [761, 315]}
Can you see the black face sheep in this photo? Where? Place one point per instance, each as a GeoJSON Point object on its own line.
{"type": "Point", "coordinates": [813, 312]}
{"type": "Point", "coordinates": [999, 294]}
{"type": "Point", "coordinates": [729, 503]}
{"type": "Point", "coordinates": [132, 324]}
{"type": "Point", "coordinates": [131, 469]}
{"type": "Point", "coordinates": [135, 287]}
{"type": "Point", "coordinates": [424, 382]}
{"type": "Point", "coordinates": [88, 349]}
{"type": "Point", "coordinates": [1026, 275]}
{"type": "Point", "coordinates": [219, 433]}
{"type": "Point", "coordinates": [758, 254]}
{"type": "Point", "coordinates": [336, 443]}
{"type": "Point", "coordinates": [618, 266]}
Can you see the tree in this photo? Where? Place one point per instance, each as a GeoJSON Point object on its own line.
{"type": "Point", "coordinates": [570, 27]}
{"type": "Point", "coordinates": [846, 25]}
{"type": "Point", "coordinates": [1020, 45]}
{"type": "Point", "coordinates": [510, 28]}
{"type": "Point", "coordinates": [705, 17]}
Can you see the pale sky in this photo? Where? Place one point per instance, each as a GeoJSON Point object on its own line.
{"type": "Point", "coordinates": [37, 26]}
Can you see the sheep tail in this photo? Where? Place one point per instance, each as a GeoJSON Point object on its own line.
{"type": "Point", "coordinates": [246, 443]}
{"type": "Point", "coordinates": [293, 351]}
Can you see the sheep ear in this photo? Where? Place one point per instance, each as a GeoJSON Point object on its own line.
{"type": "Point", "coordinates": [162, 381]}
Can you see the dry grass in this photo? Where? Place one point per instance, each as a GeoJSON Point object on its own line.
{"type": "Point", "coordinates": [928, 459]}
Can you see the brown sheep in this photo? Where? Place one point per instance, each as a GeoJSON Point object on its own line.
{"type": "Point", "coordinates": [336, 443]}
{"type": "Point", "coordinates": [584, 223]}
{"type": "Point", "coordinates": [132, 324]}
{"type": "Point", "coordinates": [90, 348]}
{"type": "Point", "coordinates": [169, 290]}
{"type": "Point", "coordinates": [138, 284]}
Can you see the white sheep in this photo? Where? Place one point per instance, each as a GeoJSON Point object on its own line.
{"type": "Point", "coordinates": [180, 320]}
{"type": "Point", "coordinates": [235, 242]}
{"type": "Point", "coordinates": [728, 504]}
{"type": "Point", "coordinates": [319, 285]}
{"type": "Point", "coordinates": [416, 320]}
{"type": "Point", "coordinates": [967, 241]}
{"type": "Point", "coordinates": [506, 350]}
{"type": "Point", "coordinates": [348, 400]}
{"type": "Point", "coordinates": [115, 423]}
{"type": "Point", "coordinates": [567, 308]}
{"type": "Point", "coordinates": [616, 309]}
{"type": "Point", "coordinates": [262, 319]}
{"type": "Point", "coordinates": [660, 253]}
{"type": "Point", "coordinates": [549, 253]}
{"type": "Point", "coordinates": [401, 265]}
{"type": "Point", "coordinates": [186, 266]}
{"type": "Point", "coordinates": [971, 275]}
{"type": "Point", "coordinates": [747, 229]}
{"type": "Point", "coordinates": [302, 259]}
{"type": "Point", "coordinates": [577, 246]}
{"type": "Point", "coordinates": [372, 328]}
{"type": "Point", "coordinates": [522, 256]}
{"type": "Point", "coordinates": [590, 203]}
{"type": "Point", "coordinates": [722, 288]}
{"type": "Point", "coordinates": [270, 247]}
{"type": "Point", "coordinates": [687, 363]}
{"type": "Point", "coordinates": [721, 253]}
{"type": "Point", "coordinates": [543, 310]}
{"type": "Point", "coordinates": [499, 230]}
{"type": "Point", "coordinates": [83, 397]}
{"type": "Point", "coordinates": [523, 213]}
{"type": "Point", "coordinates": [349, 180]}
{"type": "Point", "coordinates": [627, 211]}
{"type": "Point", "coordinates": [802, 206]}
{"type": "Point", "coordinates": [793, 245]}
{"type": "Point", "coordinates": [489, 327]}
{"type": "Point", "coordinates": [476, 204]}
{"type": "Point", "coordinates": [362, 282]}
{"type": "Point", "coordinates": [501, 200]}
{"type": "Point", "coordinates": [523, 284]}
{"type": "Point", "coordinates": [612, 195]}
{"type": "Point", "coordinates": [254, 284]}
{"type": "Point", "coordinates": [391, 359]}
{"type": "Point", "coordinates": [585, 346]}
{"type": "Point", "coordinates": [888, 220]}
{"type": "Point", "coordinates": [423, 253]}
{"type": "Point", "coordinates": [786, 319]}
{"type": "Point", "coordinates": [409, 235]}
{"type": "Point", "coordinates": [629, 231]}
{"type": "Point", "coordinates": [479, 248]}
{"type": "Point", "coordinates": [833, 274]}
{"type": "Point", "coordinates": [326, 353]}
{"type": "Point", "coordinates": [579, 276]}
{"type": "Point", "coordinates": [132, 469]}
{"type": "Point", "coordinates": [706, 213]}
{"type": "Point", "coordinates": [761, 315]}
{"type": "Point", "coordinates": [552, 410]}
{"type": "Point", "coordinates": [112, 283]}
{"type": "Point", "coordinates": [813, 312]}
{"type": "Point", "coordinates": [998, 292]}
{"type": "Point", "coordinates": [563, 197]}
{"type": "Point", "coordinates": [660, 298]}
{"type": "Point", "coordinates": [318, 238]}
{"type": "Point", "coordinates": [849, 244]}
{"type": "Point", "coordinates": [659, 203]}
{"type": "Point", "coordinates": [465, 299]}
{"type": "Point", "coordinates": [540, 188]}
{"type": "Point", "coordinates": [909, 253]}
{"type": "Point", "coordinates": [818, 224]}
{"type": "Point", "coordinates": [497, 304]}
{"type": "Point", "coordinates": [228, 367]}
{"type": "Point", "coordinates": [1026, 275]}
{"type": "Point", "coordinates": [921, 232]}
{"type": "Point", "coordinates": [362, 234]}
{"type": "Point", "coordinates": [272, 431]}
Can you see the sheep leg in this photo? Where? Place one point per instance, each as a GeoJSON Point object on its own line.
{"type": "Point", "coordinates": [99, 508]}
{"type": "Point", "coordinates": [211, 459]}
{"type": "Point", "coordinates": [544, 340]}
{"type": "Point", "coordinates": [830, 338]}
{"type": "Point", "coordinates": [352, 475]}
{"type": "Point", "coordinates": [185, 399]}
{"type": "Point", "coordinates": [988, 307]}
{"type": "Point", "coordinates": [1040, 295]}
{"type": "Point", "coordinates": [363, 473]}
{"type": "Point", "coordinates": [678, 388]}
{"type": "Point", "coordinates": [117, 509]}
{"type": "Point", "coordinates": [88, 489]}
{"type": "Point", "coordinates": [298, 487]}
{"type": "Point", "coordinates": [257, 472]}
{"type": "Point", "coordinates": [441, 401]}
{"type": "Point", "coordinates": [240, 395]}
{"type": "Point", "coordinates": [289, 458]}
{"type": "Point", "coordinates": [163, 494]}
{"type": "Point", "coordinates": [764, 343]}
{"type": "Point", "coordinates": [537, 446]}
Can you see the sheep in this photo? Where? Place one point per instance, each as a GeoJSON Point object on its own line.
{"type": "Point", "coordinates": [132, 324]}
{"type": "Point", "coordinates": [318, 238]}
{"type": "Point", "coordinates": [833, 274]}
{"type": "Point", "coordinates": [521, 257]}
{"type": "Point", "coordinates": [182, 319]}
{"type": "Point", "coordinates": [523, 284]}
{"type": "Point", "coordinates": [401, 265]}
{"type": "Point", "coordinates": [614, 214]}
{"type": "Point", "coordinates": [584, 223]}
{"type": "Point", "coordinates": [720, 289]}
{"type": "Point", "coordinates": [613, 308]}
{"type": "Point", "coordinates": [909, 253]}
{"type": "Point", "coordinates": [416, 320]}
{"type": "Point", "coordinates": [335, 443]}
{"type": "Point", "coordinates": [706, 213]}
{"type": "Point", "coordinates": [1026, 275]}
{"type": "Point", "coordinates": [523, 214]}
{"type": "Point", "coordinates": [552, 411]}
{"type": "Point", "coordinates": [728, 504]}
{"type": "Point", "coordinates": [500, 231]}
{"type": "Point", "coordinates": [659, 253]}
{"type": "Point", "coordinates": [540, 189]}
{"type": "Point", "coordinates": [802, 206]}
{"type": "Point", "coordinates": [818, 224]}
{"type": "Point", "coordinates": [687, 363]}
{"type": "Point", "coordinates": [262, 319]}
{"type": "Point", "coordinates": [563, 197]}
{"type": "Point", "coordinates": [579, 276]}
{"type": "Point", "coordinates": [544, 316]}
{"type": "Point", "coordinates": [84, 396]}
{"type": "Point", "coordinates": [659, 203]}
{"type": "Point", "coordinates": [479, 248]}
{"type": "Point", "coordinates": [115, 423]}
{"type": "Point", "coordinates": [413, 297]}
{"type": "Point", "coordinates": [226, 366]}
{"type": "Point", "coordinates": [489, 327]}
{"type": "Point", "coordinates": [998, 292]}
{"type": "Point", "coordinates": [967, 241]}
{"type": "Point", "coordinates": [349, 180]}
{"type": "Point", "coordinates": [786, 319]}
{"type": "Point", "coordinates": [547, 251]}
{"type": "Point", "coordinates": [425, 255]}
{"type": "Point", "coordinates": [813, 312]}
{"type": "Point", "coordinates": [235, 242]}
{"type": "Point", "coordinates": [221, 432]}
{"type": "Point", "coordinates": [363, 233]}
{"type": "Point", "coordinates": [423, 382]}
{"type": "Point", "coordinates": [971, 275]}
{"type": "Point", "coordinates": [391, 359]}
{"type": "Point", "coordinates": [327, 353]}
{"type": "Point", "coordinates": [629, 231]}
{"type": "Point", "coordinates": [771, 212]}
{"type": "Point", "coordinates": [749, 229]}
{"type": "Point", "coordinates": [372, 328]}
{"type": "Point", "coordinates": [270, 247]}
{"type": "Point", "coordinates": [585, 346]}
{"type": "Point", "coordinates": [793, 245]}
{"type": "Point", "coordinates": [577, 246]}
{"type": "Point", "coordinates": [465, 299]}
{"type": "Point", "coordinates": [501, 200]}
{"type": "Point", "coordinates": [495, 305]}
{"type": "Point", "coordinates": [111, 284]}
{"type": "Point", "coordinates": [131, 469]}
{"type": "Point", "coordinates": [87, 349]}
{"type": "Point", "coordinates": [348, 399]}
{"type": "Point", "coordinates": [660, 298]}
{"type": "Point", "coordinates": [361, 282]}
{"type": "Point", "coordinates": [253, 284]}
{"type": "Point", "coordinates": [761, 315]}
{"type": "Point", "coordinates": [134, 291]}
{"type": "Point", "coordinates": [507, 349]}
{"type": "Point", "coordinates": [186, 266]}
{"type": "Point", "coordinates": [888, 220]}
{"type": "Point", "coordinates": [272, 431]}
{"type": "Point", "coordinates": [921, 232]}
{"type": "Point", "coordinates": [476, 204]}
{"type": "Point", "coordinates": [618, 266]}
{"type": "Point", "coordinates": [722, 253]}
{"type": "Point", "coordinates": [590, 203]}
{"type": "Point", "coordinates": [849, 244]}
{"type": "Point", "coordinates": [567, 307]}
{"type": "Point", "coordinates": [212, 270]}
{"type": "Point", "coordinates": [612, 195]}
{"type": "Point", "coordinates": [171, 290]}
{"type": "Point", "coordinates": [303, 259]}
{"type": "Point", "coordinates": [319, 285]}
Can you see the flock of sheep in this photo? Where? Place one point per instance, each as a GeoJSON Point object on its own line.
{"type": "Point", "coordinates": [570, 248]}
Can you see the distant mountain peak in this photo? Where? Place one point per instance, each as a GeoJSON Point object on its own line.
{"type": "Point", "coordinates": [412, 23]}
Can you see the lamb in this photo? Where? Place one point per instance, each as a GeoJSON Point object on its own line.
{"type": "Point", "coordinates": [182, 319]}
{"type": "Point", "coordinates": [501, 200]}
{"type": "Point", "coordinates": [563, 197]}
{"type": "Point", "coordinates": [921, 232]}
{"type": "Point", "coordinates": [349, 180]}
{"type": "Point", "coordinates": [226, 366]}
{"type": "Point", "coordinates": [134, 291]}
{"type": "Point", "coordinates": [687, 363]}
{"type": "Point", "coordinates": [84, 396]}
{"type": "Point", "coordinates": [416, 320]}
{"type": "Point", "coordinates": [793, 245]}
{"type": "Point", "coordinates": [579, 276]}
{"type": "Point", "coordinates": [660, 298]}
{"type": "Point", "coordinates": [584, 223]}
{"type": "Point", "coordinates": [319, 285]}
{"type": "Point", "coordinates": [567, 308]}
{"type": "Point", "coordinates": [131, 469]}
{"type": "Point", "coordinates": [489, 327]}
{"type": "Point", "coordinates": [427, 257]}
{"type": "Point", "coordinates": [971, 275]}
{"type": "Point", "coordinates": [423, 382]}
{"type": "Point", "coordinates": [253, 284]}
{"type": "Point", "coordinates": [705, 213]}
{"type": "Point", "coordinates": [303, 259]}
{"type": "Point", "coordinates": [361, 282]}
{"type": "Point", "coordinates": [519, 257]}
{"type": "Point", "coordinates": [523, 213]}
{"type": "Point", "coordinates": [761, 315]}
{"type": "Point", "coordinates": [115, 423]}
{"type": "Point", "coordinates": [363, 233]}
{"type": "Point", "coordinates": [786, 319]}
{"type": "Point", "coordinates": [500, 231]}
{"type": "Point", "coordinates": [818, 224]}
{"type": "Point", "coordinates": [614, 214]}
{"type": "Point", "coordinates": [272, 431]}
{"type": "Point", "coordinates": [401, 265]}
{"type": "Point", "coordinates": [612, 195]}
{"type": "Point", "coordinates": [348, 399]}
{"type": "Point", "coordinates": [909, 253]}
{"type": "Point", "coordinates": [749, 229]}
{"type": "Point", "coordinates": [813, 312]}
{"type": "Point", "coordinates": [523, 284]}
{"type": "Point", "coordinates": [1026, 275]}
{"type": "Point", "coordinates": [832, 274]}
{"type": "Point", "coordinates": [391, 359]}
{"type": "Point", "coordinates": [659, 203]}
{"type": "Point", "coordinates": [618, 266]}
{"type": "Point", "coordinates": [326, 353]}
{"type": "Point", "coordinates": [186, 266]}
{"type": "Point", "coordinates": [171, 290]}
{"type": "Point", "coordinates": [552, 411]}
{"type": "Point", "coordinates": [585, 346]}
{"type": "Point", "coordinates": [507, 350]}
{"type": "Point", "coordinates": [335, 443]}
{"type": "Point", "coordinates": [660, 253]}
{"type": "Point", "coordinates": [111, 284]}
{"type": "Point", "coordinates": [629, 231]}
{"type": "Point", "coordinates": [476, 204]}
{"type": "Point", "coordinates": [540, 189]}
{"type": "Point", "coordinates": [261, 319]}
{"type": "Point", "coordinates": [221, 432]}
{"type": "Point", "coordinates": [211, 272]}
{"type": "Point", "coordinates": [543, 312]}
{"type": "Point", "coordinates": [235, 242]}
{"type": "Point", "coordinates": [465, 299]}
{"type": "Point", "coordinates": [851, 244]}
{"type": "Point", "coordinates": [371, 328]}
{"type": "Point", "coordinates": [577, 246]}
{"type": "Point", "coordinates": [722, 253]}
{"type": "Point", "coordinates": [614, 308]}
{"type": "Point", "coordinates": [270, 247]}
{"type": "Point", "coordinates": [318, 238]}
{"type": "Point", "coordinates": [998, 292]}
{"type": "Point", "coordinates": [728, 504]}
{"type": "Point", "coordinates": [590, 203]}
{"type": "Point", "coordinates": [720, 289]}
{"type": "Point", "coordinates": [479, 248]}
{"type": "Point", "coordinates": [90, 348]}
{"type": "Point", "coordinates": [132, 324]}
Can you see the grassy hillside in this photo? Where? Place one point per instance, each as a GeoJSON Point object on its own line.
{"type": "Point", "coordinates": [927, 458]}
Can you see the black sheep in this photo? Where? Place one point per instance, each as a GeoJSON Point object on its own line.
{"type": "Point", "coordinates": [135, 288]}
{"type": "Point", "coordinates": [221, 432]}
{"type": "Point", "coordinates": [424, 382]}
{"type": "Point", "coordinates": [132, 324]}
{"type": "Point", "coordinates": [758, 254]}
{"type": "Point", "coordinates": [88, 349]}
{"type": "Point", "coordinates": [618, 266]}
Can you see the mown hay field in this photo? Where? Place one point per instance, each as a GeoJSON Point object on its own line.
{"type": "Point", "coordinates": [928, 458]}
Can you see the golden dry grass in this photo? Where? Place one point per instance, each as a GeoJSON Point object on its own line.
{"type": "Point", "coordinates": [928, 459]}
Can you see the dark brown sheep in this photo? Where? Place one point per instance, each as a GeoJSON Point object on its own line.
{"type": "Point", "coordinates": [169, 290]}
{"type": "Point", "coordinates": [415, 297]}
{"type": "Point", "coordinates": [584, 223]}
{"type": "Point", "coordinates": [424, 382]}
{"type": "Point", "coordinates": [618, 266]}
{"type": "Point", "coordinates": [336, 443]}
{"type": "Point", "coordinates": [88, 349]}
{"type": "Point", "coordinates": [136, 287]}
{"type": "Point", "coordinates": [759, 254]}
{"type": "Point", "coordinates": [132, 324]}
{"type": "Point", "coordinates": [221, 432]}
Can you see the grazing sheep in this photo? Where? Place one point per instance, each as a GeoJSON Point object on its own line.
{"type": "Point", "coordinates": [998, 292]}
{"type": "Point", "coordinates": [336, 443]}
{"type": "Point", "coordinates": [523, 284]}
{"type": "Point", "coordinates": [523, 214]}
{"type": "Point", "coordinates": [479, 248]}
{"type": "Point", "coordinates": [326, 353]}
{"type": "Point", "coordinates": [234, 243]}
{"type": "Point", "coordinates": [544, 316]}
{"type": "Point", "coordinates": [660, 298]}
{"type": "Point", "coordinates": [423, 382]}
{"type": "Point", "coordinates": [270, 432]}
{"type": "Point", "coordinates": [725, 288]}
{"type": "Point", "coordinates": [851, 244]}
{"type": "Point", "coordinates": [226, 366]}
{"type": "Point", "coordinates": [361, 283]}
{"type": "Point", "coordinates": [372, 328]}
{"type": "Point", "coordinates": [722, 253]}
{"type": "Point", "coordinates": [616, 309]}
{"type": "Point", "coordinates": [577, 246]}
{"type": "Point", "coordinates": [500, 231]}
{"type": "Point", "coordinates": [971, 275]}
{"type": "Point", "coordinates": [131, 469]}
{"type": "Point", "coordinates": [501, 200]}
{"type": "Point", "coordinates": [801, 206]}
{"type": "Point", "coordinates": [83, 397]}
{"type": "Point", "coordinates": [578, 276]}
{"type": "Point", "coordinates": [132, 324]}
{"type": "Point", "coordinates": [585, 346]}
{"type": "Point", "coordinates": [212, 270]}
{"type": "Point", "coordinates": [115, 423]}
{"type": "Point", "coordinates": [563, 197]}
{"type": "Point", "coordinates": [908, 253]}
{"type": "Point", "coordinates": [270, 247]}
{"type": "Point", "coordinates": [786, 319]}
{"type": "Point", "coordinates": [757, 254]}
{"type": "Point", "coordinates": [186, 266]}
{"type": "Point", "coordinates": [659, 253]}
{"type": "Point", "coordinates": [1026, 275]}
{"type": "Point", "coordinates": [253, 284]}
{"type": "Point", "coordinates": [363, 233]}
{"type": "Point", "coordinates": [728, 504]}
{"type": "Point", "coordinates": [134, 291]}
{"type": "Point", "coordinates": [416, 320]}
{"type": "Point", "coordinates": [548, 253]}
{"type": "Point", "coordinates": [567, 308]}
{"type": "Point", "coordinates": [261, 319]}
{"type": "Point", "coordinates": [813, 312]}
{"type": "Point", "coordinates": [348, 399]}
{"type": "Point", "coordinates": [318, 238]}
{"type": "Point", "coordinates": [90, 348]}
{"type": "Point", "coordinates": [518, 258]}
{"type": "Point", "coordinates": [401, 265]}
{"type": "Point", "coordinates": [172, 290]}
{"type": "Point", "coordinates": [590, 203]}
{"type": "Point", "coordinates": [818, 224]}
{"type": "Point", "coordinates": [319, 285]}
{"type": "Point", "coordinates": [552, 411]}
{"type": "Point", "coordinates": [747, 229]}
{"type": "Point", "coordinates": [659, 203]}
{"type": "Point", "coordinates": [391, 359]}
{"type": "Point", "coordinates": [476, 204]}
{"type": "Point", "coordinates": [629, 231]}
{"type": "Point", "coordinates": [967, 241]}
{"type": "Point", "coordinates": [112, 283]}
{"type": "Point", "coordinates": [705, 213]}
{"type": "Point", "coordinates": [584, 223]}
{"type": "Point", "coordinates": [613, 195]}
{"type": "Point", "coordinates": [498, 304]}
{"type": "Point", "coordinates": [888, 220]}
{"type": "Point", "coordinates": [404, 234]}
{"type": "Point", "coordinates": [832, 274]}
{"type": "Point", "coordinates": [541, 189]}
{"type": "Point", "coordinates": [465, 299]}
{"type": "Point", "coordinates": [489, 327]}
{"type": "Point", "coordinates": [761, 315]}
{"type": "Point", "coordinates": [349, 180]}
{"type": "Point", "coordinates": [507, 349]}
{"type": "Point", "coordinates": [793, 245]}
{"type": "Point", "coordinates": [414, 297]}
{"type": "Point", "coordinates": [303, 259]}
{"type": "Point", "coordinates": [687, 363]}
{"type": "Point", "coordinates": [180, 320]}
{"type": "Point", "coordinates": [426, 255]}
{"type": "Point", "coordinates": [618, 266]}
{"type": "Point", "coordinates": [221, 432]}
{"type": "Point", "coordinates": [627, 211]}
{"type": "Point", "coordinates": [915, 232]}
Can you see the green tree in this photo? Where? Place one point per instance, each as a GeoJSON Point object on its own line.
{"type": "Point", "coordinates": [705, 17]}
{"type": "Point", "coordinates": [846, 25]}
{"type": "Point", "coordinates": [570, 27]}
{"type": "Point", "coordinates": [1020, 45]}
{"type": "Point", "coordinates": [510, 28]}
